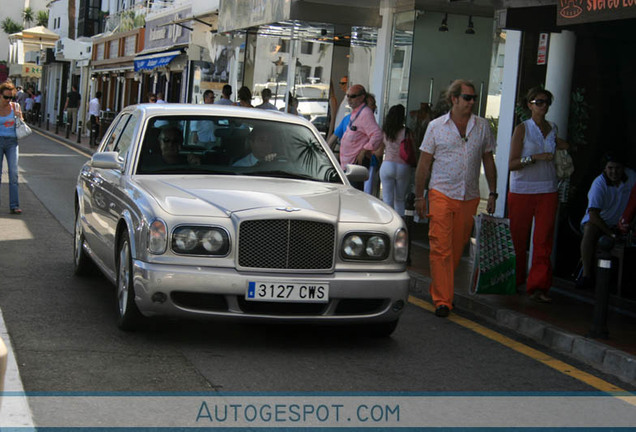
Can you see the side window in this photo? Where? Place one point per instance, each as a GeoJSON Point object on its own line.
{"type": "Point", "coordinates": [126, 137]}
{"type": "Point", "coordinates": [115, 134]}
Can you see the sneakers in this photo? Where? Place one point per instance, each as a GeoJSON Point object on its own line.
{"type": "Point", "coordinates": [16, 211]}
{"type": "Point", "coordinates": [540, 297]}
{"type": "Point", "coordinates": [442, 311]}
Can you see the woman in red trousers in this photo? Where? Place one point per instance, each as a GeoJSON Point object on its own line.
{"type": "Point", "coordinates": [533, 193]}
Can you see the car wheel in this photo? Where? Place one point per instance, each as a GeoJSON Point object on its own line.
{"type": "Point", "coordinates": [82, 263]}
{"type": "Point", "coordinates": [383, 329]}
{"type": "Point", "coordinates": [129, 315]}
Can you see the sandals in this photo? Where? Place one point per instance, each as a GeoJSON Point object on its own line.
{"type": "Point", "coordinates": [540, 297]}
{"type": "Point", "coordinates": [16, 211]}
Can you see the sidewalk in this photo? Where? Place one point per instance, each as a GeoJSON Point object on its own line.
{"type": "Point", "coordinates": [561, 325]}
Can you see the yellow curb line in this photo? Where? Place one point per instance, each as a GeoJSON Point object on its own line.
{"type": "Point", "coordinates": [537, 355]}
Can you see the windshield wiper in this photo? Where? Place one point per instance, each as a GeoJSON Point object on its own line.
{"type": "Point", "coordinates": [281, 174]}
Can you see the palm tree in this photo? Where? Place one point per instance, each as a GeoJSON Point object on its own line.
{"type": "Point", "coordinates": [9, 26]}
{"type": "Point", "coordinates": [28, 16]}
{"type": "Point", "coordinates": [42, 18]}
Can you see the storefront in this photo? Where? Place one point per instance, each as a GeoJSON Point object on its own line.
{"type": "Point", "coordinates": [163, 63]}
{"type": "Point", "coordinates": [112, 70]}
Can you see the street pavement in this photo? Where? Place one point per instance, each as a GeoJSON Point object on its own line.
{"type": "Point", "coordinates": [539, 323]}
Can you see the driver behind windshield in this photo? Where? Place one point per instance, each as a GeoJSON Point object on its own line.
{"type": "Point", "coordinates": [261, 144]}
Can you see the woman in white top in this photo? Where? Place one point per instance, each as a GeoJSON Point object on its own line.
{"type": "Point", "coordinates": [395, 173]}
{"type": "Point", "coordinates": [533, 193]}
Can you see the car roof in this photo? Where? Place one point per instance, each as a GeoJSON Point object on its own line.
{"type": "Point", "coordinates": [152, 109]}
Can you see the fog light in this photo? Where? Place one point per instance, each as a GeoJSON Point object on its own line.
{"type": "Point", "coordinates": [398, 306]}
{"type": "Point", "coordinates": [159, 297]}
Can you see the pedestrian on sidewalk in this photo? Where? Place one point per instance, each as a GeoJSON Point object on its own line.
{"type": "Point", "coordinates": [459, 142]}
{"type": "Point", "coordinates": [533, 193]}
{"type": "Point", "coordinates": [71, 106]}
{"type": "Point", "coordinates": [94, 108]}
{"type": "Point", "coordinates": [395, 173]}
{"type": "Point", "coordinates": [9, 142]}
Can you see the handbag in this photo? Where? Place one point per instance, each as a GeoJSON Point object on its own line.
{"type": "Point", "coordinates": [494, 260]}
{"type": "Point", "coordinates": [22, 129]}
{"type": "Point", "coordinates": [407, 151]}
{"type": "Point", "coordinates": [563, 163]}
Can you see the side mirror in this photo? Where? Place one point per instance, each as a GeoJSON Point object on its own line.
{"type": "Point", "coordinates": [106, 160]}
{"type": "Point", "coordinates": [356, 173]}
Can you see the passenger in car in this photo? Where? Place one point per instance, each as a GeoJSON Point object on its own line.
{"type": "Point", "coordinates": [261, 144]}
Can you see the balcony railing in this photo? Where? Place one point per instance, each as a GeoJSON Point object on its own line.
{"type": "Point", "coordinates": [134, 16]}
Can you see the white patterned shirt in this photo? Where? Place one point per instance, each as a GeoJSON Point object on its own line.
{"type": "Point", "coordinates": [456, 160]}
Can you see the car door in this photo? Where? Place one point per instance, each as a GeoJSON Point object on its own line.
{"type": "Point", "coordinates": [103, 207]}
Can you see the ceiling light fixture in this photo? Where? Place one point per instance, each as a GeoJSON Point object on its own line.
{"type": "Point", "coordinates": [471, 27]}
{"type": "Point", "coordinates": [444, 26]}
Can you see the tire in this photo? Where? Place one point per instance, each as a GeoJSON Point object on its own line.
{"type": "Point", "coordinates": [82, 263]}
{"type": "Point", "coordinates": [129, 317]}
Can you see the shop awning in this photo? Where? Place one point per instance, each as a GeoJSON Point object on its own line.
{"type": "Point", "coordinates": [151, 61]}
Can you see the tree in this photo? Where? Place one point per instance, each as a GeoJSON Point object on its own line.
{"type": "Point", "coordinates": [9, 26]}
{"type": "Point", "coordinates": [42, 18]}
{"type": "Point", "coordinates": [28, 16]}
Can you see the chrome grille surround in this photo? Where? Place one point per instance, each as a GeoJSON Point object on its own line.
{"type": "Point", "coordinates": [286, 244]}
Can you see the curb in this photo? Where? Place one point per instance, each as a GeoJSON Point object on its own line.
{"type": "Point", "coordinates": [602, 357]}
{"type": "Point", "coordinates": [84, 149]}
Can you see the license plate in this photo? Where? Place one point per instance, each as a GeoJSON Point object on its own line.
{"type": "Point", "coordinates": [288, 292]}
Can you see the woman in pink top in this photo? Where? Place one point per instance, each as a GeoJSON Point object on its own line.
{"type": "Point", "coordinates": [395, 174]}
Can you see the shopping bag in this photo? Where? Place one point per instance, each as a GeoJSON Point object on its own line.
{"type": "Point", "coordinates": [494, 260]}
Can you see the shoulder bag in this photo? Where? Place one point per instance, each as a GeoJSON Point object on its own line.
{"type": "Point", "coordinates": [22, 130]}
{"type": "Point", "coordinates": [407, 151]}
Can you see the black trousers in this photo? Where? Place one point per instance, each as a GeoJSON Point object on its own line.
{"type": "Point", "coordinates": [94, 130]}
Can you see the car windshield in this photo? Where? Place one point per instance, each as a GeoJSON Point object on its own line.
{"type": "Point", "coordinates": [233, 146]}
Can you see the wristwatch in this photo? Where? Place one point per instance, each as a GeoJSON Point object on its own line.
{"type": "Point", "coordinates": [494, 194]}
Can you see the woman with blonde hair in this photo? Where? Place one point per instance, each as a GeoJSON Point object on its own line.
{"type": "Point", "coordinates": [9, 141]}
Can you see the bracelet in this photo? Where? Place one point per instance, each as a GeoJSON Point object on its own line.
{"type": "Point", "coordinates": [420, 199]}
{"type": "Point", "coordinates": [526, 160]}
{"type": "Point", "coordinates": [494, 194]}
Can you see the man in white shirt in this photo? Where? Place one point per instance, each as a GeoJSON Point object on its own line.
{"type": "Point", "coordinates": [160, 98]}
{"type": "Point", "coordinates": [94, 107]}
{"type": "Point", "coordinates": [203, 130]}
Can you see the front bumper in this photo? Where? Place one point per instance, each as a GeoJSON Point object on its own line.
{"type": "Point", "coordinates": [199, 292]}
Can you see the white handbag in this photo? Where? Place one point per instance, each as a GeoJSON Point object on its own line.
{"type": "Point", "coordinates": [22, 129]}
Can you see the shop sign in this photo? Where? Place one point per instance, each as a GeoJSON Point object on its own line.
{"type": "Point", "coordinates": [543, 49]}
{"type": "Point", "coordinates": [582, 11]}
{"type": "Point", "coordinates": [241, 14]}
{"type": "Point", "coordinates": [31, 70]}
{"type": "Point", "coordinates": [149, 62]}
{"type": "Point", "coordinates": [160, 33]}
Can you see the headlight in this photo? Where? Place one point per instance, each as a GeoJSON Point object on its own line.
{"type": "Point", "coordinates": [365, 246]}
{"type": "Point", "coordinates": [401, 246]}
{"type": "Point", "coordinates": [157, 237]}
{"type": "Point", "coordinates": [195, 240]}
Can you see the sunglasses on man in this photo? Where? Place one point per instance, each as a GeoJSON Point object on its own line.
{"type": "Point", "coordinates": [540, 102]}
{"type": "Point", "coordinates": [7, 97]}
{"type": "Point", "coordinates": [353, 96]}
{"type": "Point", "coordinates": [468, 97]}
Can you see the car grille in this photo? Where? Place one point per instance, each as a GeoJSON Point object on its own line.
{"type": "Point", "coordinates": [286, 244]}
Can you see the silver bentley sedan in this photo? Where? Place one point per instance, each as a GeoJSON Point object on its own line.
{"type": "Point", "coordinates": [213, 211]}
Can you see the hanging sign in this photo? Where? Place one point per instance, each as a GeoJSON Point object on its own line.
{"type": "Point", "coordinates": [542, 53]}
{"type": "Point", "coordinates": [582, 11]}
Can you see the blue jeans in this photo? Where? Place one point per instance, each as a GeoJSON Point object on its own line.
{"type": "Point", "coordinates": [9, 150]}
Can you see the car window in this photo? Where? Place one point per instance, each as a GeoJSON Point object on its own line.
{"type": "Point", "coordinates": [234, 146]}
{"type": "Point", "coordinates": [116, 132]}
{"type": "Point", "coordinates": [126, 136]}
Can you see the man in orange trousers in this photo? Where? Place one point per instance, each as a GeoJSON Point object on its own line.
{"type": "Point", "coordinates": [454, 147]}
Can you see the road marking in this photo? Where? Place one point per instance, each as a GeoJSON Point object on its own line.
{"type": "Point", "coordinates": [70, 147]}
{"type": "Point", "coordinates": [537, 355]}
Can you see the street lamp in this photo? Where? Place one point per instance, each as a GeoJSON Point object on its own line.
{"type": "Point", "coordinates": [280, 65]}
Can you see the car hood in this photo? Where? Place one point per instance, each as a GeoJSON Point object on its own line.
{"type": "Point", "coordinates": [221, 196]}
